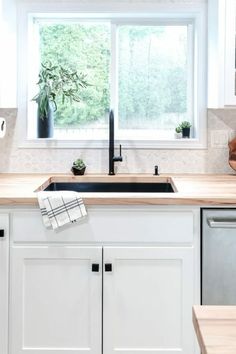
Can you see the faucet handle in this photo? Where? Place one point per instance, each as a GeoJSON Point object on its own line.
{"type": "Point", "coordinates": [118, 158]}
{"type": "Point", "coordinates": [120, 150]}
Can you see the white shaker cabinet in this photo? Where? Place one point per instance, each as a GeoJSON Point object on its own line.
{"type": "Point", "coordinates": [148, 294]}
{"type": "Point", "coordinates": [140, 300]}
{"type": "Point", "coordinates": [221, 53]}
{"type": "Point", "coordinates": [8, 57]}
{"type": "Point", "coordinates": [4, 284]}
{"type": "Point", "coordinates": [55, 300]}
{"type": "Point", "coordinates": [230, 60]}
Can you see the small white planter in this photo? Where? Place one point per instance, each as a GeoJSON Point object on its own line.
{"type": "Point", "coordinates": [178, 135]}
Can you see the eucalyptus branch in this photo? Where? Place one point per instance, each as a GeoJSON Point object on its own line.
{"type": "Point", "coordinates": [56, 81]}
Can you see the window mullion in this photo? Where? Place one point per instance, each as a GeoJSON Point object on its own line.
{"type": "Point", "coordinates": [114, 72]}
{"type": "Point", "coordinates": [190, 76]}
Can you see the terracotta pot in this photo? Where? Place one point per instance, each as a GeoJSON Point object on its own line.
{"type": "Point", "coordinates": [232, 154]}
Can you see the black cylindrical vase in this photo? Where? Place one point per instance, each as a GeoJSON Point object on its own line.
{"type": "Point", "coordinates": [185, 132]}
{"type": "Point", "coordinates": [45, 128]}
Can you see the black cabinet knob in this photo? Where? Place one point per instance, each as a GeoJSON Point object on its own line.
{"type": "Point", "coordinates": [95, 267]}
{"type": "Point", "coordinates": [1, 233]}
{"type": "Point", "coordinates": [108, 267]}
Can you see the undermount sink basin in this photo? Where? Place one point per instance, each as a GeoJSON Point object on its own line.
{"type": "Point", "coordinates": [112, 187]}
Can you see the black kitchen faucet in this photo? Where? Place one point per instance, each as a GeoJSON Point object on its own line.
{"type": "Point", "coordinates": [112, 158]}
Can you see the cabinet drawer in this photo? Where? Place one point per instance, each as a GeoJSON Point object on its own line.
{"type": "Point", "coordinates": [110, 224]}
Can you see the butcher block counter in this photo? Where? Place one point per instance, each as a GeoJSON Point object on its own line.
{"type": "Point", "coordinates": [20, 189]}
{"type": "Point", "coordinates": [215, 327]}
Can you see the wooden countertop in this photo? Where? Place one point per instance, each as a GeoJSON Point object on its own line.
{"type": "Point", "coordinates": [215, 327]}
{"type": "Point", "coordinates": [19, 189]}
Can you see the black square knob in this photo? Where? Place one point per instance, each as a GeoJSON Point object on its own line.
{"type": "Point", "coordinates": [1, 233]}
{"type": "Point", "coordinates": [95, 267]}
{"type": "Point", "coordinates": [108, 267]}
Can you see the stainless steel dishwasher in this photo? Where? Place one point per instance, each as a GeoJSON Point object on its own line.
{"type": "Point", "coordinates": [218, 257]}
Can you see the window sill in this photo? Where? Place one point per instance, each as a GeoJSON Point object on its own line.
{"type": "Point", "coordinates": [103, 144]}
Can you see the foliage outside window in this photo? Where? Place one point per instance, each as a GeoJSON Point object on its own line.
{"type": "Point", "coordinates": [145, 75]}
{"type": "Point", "coordinates": [83, 47]}
{"type": "Point", "coordinates": [152, 76]}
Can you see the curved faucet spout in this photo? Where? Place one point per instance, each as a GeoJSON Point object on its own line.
{"type": "Point", "coordinates": [112, 158]}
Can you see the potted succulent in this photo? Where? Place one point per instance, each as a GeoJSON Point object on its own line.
{"type": "Point", "coordinates": [185, 126]}
{"type": "Point", "coordinates": [178, 132]}
{"type": "Point", "coordinates": [55, 81]}
{"type": "Point", "coordinates": [78, 167]}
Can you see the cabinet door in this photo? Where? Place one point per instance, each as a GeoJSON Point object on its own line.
{"type": "Point", "coordinates": [148, 298]}
{"type": "Point", "coordinates": [56, 300]}
{"type": "Point", "coordinates": [230, 60]}
{"type": "Point", "coordinates": [4, 272]}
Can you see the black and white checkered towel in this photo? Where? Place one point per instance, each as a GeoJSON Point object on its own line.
{"type": "Point", "coordinates": [60, 208]}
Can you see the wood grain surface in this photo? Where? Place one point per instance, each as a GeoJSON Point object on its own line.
{"type": "Point", "coordinates": [19, 189]}
{"type": "Point", "coordinates": [215, 327]}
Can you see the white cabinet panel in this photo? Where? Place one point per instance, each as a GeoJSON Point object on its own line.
{"type": "Point", "coordinates": [4, 271]}
{"type": "Point", "coordinates": [147, 300]}
{"type": "Point", "coordinates": [230, 69]}
{"type": "Point", "coordinates": [111, 224]}
{"type": "Point", "coordinates": [8, 57]}
{"type": "Point", "coordinates": [221, 53]}
{"type": "Point", "coordinates": [56, 300]}
{"type": "Point", "coordinates": [58, 305]}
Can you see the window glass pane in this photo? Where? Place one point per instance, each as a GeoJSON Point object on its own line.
{"type": "Point", "coordinates": [85, 47]}
{"type": "Point", "coordinates": [152, 74]}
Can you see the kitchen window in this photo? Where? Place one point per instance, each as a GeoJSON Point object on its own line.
{"type": "Point", "coordinates": [145, 68]}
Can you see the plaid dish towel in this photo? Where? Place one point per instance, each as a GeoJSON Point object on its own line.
{"type": "Point", "coordinates": [60, 208]}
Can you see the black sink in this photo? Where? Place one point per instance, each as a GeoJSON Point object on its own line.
{"type": "Point", "coordinates": [112, 187]}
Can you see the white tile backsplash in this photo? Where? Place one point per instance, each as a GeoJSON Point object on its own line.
{"type": "Point", "coordinates": [214, 159]}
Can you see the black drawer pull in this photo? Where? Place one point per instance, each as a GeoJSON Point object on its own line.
{"type": "Point", "coordinates": [108, 267]}
{"type": "Point", "coordinates": [95, 267]}
{"type": "Point", "coordinates": [1, 233]}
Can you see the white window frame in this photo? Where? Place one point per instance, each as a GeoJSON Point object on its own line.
{"type": "Point", "coordinates": [158, 12]}
{"type": "Point", "coordinates": [149, 133]}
